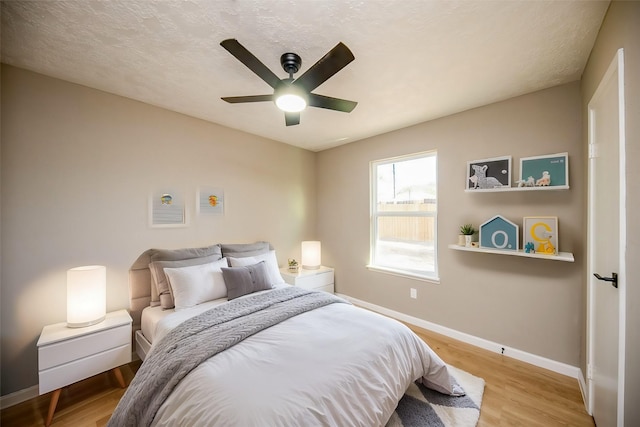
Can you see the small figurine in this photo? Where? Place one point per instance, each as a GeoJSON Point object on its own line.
{"type": "Point", "coordinates": [529, 182]}
{"type": "Point", "coordinates": [545, 181]}
{"type": "Point", "coordinates": [529, 248]}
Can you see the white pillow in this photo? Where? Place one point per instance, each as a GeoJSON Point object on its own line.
{"type": "Point", "coordinates": [196, 284]}
{"type": "Point", "coordinates": [273, 271]}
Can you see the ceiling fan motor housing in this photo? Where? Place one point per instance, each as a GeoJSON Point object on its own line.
{"type": "Point", "coordinates": [290, 62]}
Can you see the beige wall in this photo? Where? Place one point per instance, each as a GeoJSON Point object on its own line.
{"type": "Point", "coordinates": [529, 304]}
{"type": "Point", "coordinates": [77, 167]}
{"type": "Point", "coordinates": [621, 29]}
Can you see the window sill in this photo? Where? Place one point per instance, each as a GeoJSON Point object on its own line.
{"type": "Point", "coordinates": [401, 273]}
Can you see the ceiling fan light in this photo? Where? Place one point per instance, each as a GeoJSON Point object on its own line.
{"type": "Point", "coordinates": [291, 103]}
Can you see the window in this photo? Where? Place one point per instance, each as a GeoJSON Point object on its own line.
{"type": "Point", "coordinates": [403, 215]}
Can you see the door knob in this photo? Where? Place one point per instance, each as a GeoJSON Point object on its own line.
{"type": "Point", "coordinates": [613, 279]}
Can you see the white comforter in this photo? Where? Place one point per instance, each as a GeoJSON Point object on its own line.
{"type": "Point", "coordinates": [338, 365]}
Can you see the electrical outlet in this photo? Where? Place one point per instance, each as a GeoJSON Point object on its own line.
{"type": "Point", "coordinates": [414, 293]}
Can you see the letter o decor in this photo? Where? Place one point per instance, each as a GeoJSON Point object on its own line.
{"type": "Point", "coordinates": [499, 233]}
{"type": "Point", "coordinates": [505, 239]}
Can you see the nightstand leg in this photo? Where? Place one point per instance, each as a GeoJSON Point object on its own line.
{"type": "Point", "coordinates": [119, 377]}
{"type": "Point", "coordinates": [52, 406]}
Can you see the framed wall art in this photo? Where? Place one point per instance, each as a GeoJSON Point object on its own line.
{"type": "Point", "coordinates": [210, 201]}
{"type": "Point", "coordinates": [499, 233]}
{"type": "Point", "coordinates": [167, 209]}
{"type": "Point", "coordinates": [489, 173]}
{"type": "Point", "coordinates": [540, 234]}
{"type": "Point", "coordinates": [545, 171]}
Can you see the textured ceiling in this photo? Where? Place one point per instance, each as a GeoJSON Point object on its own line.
{"type": "Point", "coordinates": [416, 60]}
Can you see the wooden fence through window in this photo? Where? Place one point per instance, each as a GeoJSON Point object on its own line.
{"type": "Point", "coordinates": [407, 228]}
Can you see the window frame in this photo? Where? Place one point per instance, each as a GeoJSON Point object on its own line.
{"type": "Point", "coordinates": [374, 215]}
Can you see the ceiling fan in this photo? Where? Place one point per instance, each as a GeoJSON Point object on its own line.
{"type": "Point", "coordinates": [293, 95]}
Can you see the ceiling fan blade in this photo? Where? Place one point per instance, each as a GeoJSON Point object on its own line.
{"type": "Point", "coordinates": [292, 119]}
{"type": "Point", "coordinates": [253, 63]}
{"type": "Point", "coordinates": [250, 98]}
{"type": "Point", "coordinates": [335, 60]}
{"type": "Point", "coordinates": [330, 103]}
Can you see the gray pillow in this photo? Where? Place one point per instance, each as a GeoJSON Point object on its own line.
{"type": "Point", "coordinates": [245, 280]}
{"type": "Point", "coordinates": [184, 253]}
{"type": "Point", "coordinates": [241, 250]}
{"type": "Point", "coordinates": [174, 255]}
{"type": "Point", "coordinates": [159, 279]}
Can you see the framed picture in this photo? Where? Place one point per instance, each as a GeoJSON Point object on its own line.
{"type": "Point", "coordinates": [545, 171]}
{"type": "Point", "coordinates": [210, 201]}
{"type": "Point", "coordinates": [167, 209]}
{"type": "Point", "coordinates": [489, 173]}
{"type": "Point", "coordinates": [540, 234]}
{"type": "Point", "coordinates": [499, 233]}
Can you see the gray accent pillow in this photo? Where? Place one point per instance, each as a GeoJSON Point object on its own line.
{"type": "Point", "coordinates": [172, 255]}
{"type": "Point", "coordinates": [159, 278]}
{"type": "Point", "coordinates": [245, 280]}
{"type": "Point", "coordinates": [241, 250]}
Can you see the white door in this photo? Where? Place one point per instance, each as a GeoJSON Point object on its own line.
{"type": "Point", "coordinates": [606, 245]}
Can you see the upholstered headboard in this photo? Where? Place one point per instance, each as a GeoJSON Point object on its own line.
{"type": "Point", "coordinates": [140, 289]}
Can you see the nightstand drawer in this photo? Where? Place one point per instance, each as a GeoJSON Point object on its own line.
{"type": "Point", "coordinates": [315, 281]}
{"type": "Point", "coordinates": [66, 351]}
{"type": "Point", "coordinates": [60, 376]}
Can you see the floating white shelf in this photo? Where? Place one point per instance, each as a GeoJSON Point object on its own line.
{"type": "Point", "coordinates": [561, 256]}
{"type": "Point", "coordinates": [503, 189]}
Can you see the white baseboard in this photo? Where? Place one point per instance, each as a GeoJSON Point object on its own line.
{"type": "Point", "coordinates": [543, 362]}
{"type": "Point", "coordinates": [18, 397]}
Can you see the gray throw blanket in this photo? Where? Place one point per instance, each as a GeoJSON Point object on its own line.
{"type": "Point", "coordinates": [202, 337]}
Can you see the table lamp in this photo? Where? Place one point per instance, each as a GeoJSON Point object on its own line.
{"type": "Point", "coordinates": [311, 255]}
{"type": "Point", "coordinates": [86, 295]}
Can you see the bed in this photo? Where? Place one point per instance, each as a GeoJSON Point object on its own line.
{"type": "Point", "coordinates": [254, 351]}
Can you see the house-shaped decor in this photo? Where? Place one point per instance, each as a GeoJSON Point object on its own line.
{"type": "Point", "coordinates": [499, 233]}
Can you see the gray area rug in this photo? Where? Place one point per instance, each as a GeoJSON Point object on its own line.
{"type": "Point", "coordinates": [421, 406]}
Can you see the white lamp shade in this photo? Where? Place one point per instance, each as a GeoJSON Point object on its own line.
{"type": "Point", "coordinates": [86, 295]}
{"type": "Point", "coordinates": [311, 258]}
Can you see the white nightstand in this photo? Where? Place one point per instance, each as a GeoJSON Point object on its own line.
{"type": "Point", "coordinates": [319, 280]}
{"type": "Point", "coordinates": [68, 355]}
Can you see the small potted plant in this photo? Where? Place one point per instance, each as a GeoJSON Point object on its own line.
{"type": "Point", "coordinates": [293, 265]}
{"type": "Point", "coordinates": [466, 234]}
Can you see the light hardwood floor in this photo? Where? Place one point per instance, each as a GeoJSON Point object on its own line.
{"type": "Point", "coordinates": [516, 393]}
